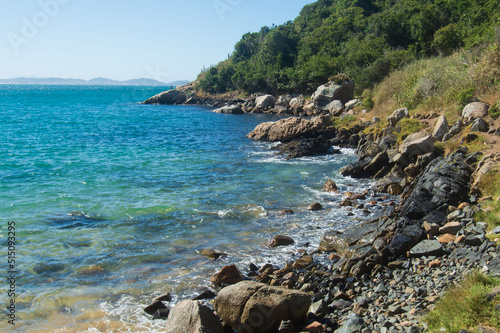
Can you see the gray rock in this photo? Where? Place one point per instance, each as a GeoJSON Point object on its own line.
{"type": "Point", "coordinates": [352, 325]}
{"type": "Point", "coordinates": [319, 308]}
{"type": "Point", "coordinates": [473, 240]}
{"type": "Point", "coordinates": [417, 147]}
{"type": "Point", "coordinates": [288, 129]}
{"type": "Point", "coordinates": [475, 110]}
{"type": "Point", "coordinates": [335, 108]}
{"type": "Point", "coordinates": [233, 109]}
{"type": "Point", "coordinates": [480, 125]}
{"type": "Point", "coordinates": [192, 316]}
{"type": "Point", "coordinates": [426, 248]}
{"type": "Point", "coordinates": [167, 97]}
{"type": "Point", "coordinates": [330, 92]}
{"type": "Point", "coordinates": [397, 115]}
{"type": "Point", "coordinates": [351, 104]}
{"type": "Point", "coordinates": [265, 102]}
{"type": "Point", "coordinates": [456, 128]}
{"type": "Point", "coordinates": [441, 128]}
{"type": "Point", "coordinates": [496, 230]}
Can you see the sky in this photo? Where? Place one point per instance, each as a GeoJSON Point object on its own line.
{"type": "Point", "coordinates": [164, 40]}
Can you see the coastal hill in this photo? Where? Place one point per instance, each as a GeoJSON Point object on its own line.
{"type": "Point", "coordinates": [96, 82]}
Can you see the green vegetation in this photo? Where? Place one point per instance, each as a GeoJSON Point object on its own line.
{"type": "Point", "coordinates": [490, 212]}
{"type": "Point", "coordinates": [494, 111]}
{"type": "Point", "coordinates": [466, 306]}
{"type": "Point", "coordinates": [408, 126]}
{"type": "Point", "coordinates": [365, 39]}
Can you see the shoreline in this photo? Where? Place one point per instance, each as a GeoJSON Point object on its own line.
{"type": "Point", "coordinates": [424, 242]}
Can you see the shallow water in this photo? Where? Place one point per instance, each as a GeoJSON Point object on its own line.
{"type": "Point", "coordinates": [114, 201]}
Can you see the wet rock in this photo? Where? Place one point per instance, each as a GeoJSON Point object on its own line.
{"type": "Point", "coordinates": [280, 240]}
{"type": "Point", "coordinates": [304, 147]}
{"type": "Point", "coordinates": [155, 306]}
{"type": "Point", "coordinates": [192, 316]}
{"type": "Point", "coordinates": [207, 294]}
{"type": "Point", "coordinates": [315, 206]}
{"type": "Point", "coordinates": [233, 109]}
{"type": "Point", "coordinates": [227, 275]}
{"type": "Point", "coordinates": [212, 254]}
{"type": "Point", "coordinates": [165, 297]}
{"type": "Point", "coordinates": [330, 186]}
{"type": "Point", "coordinates": [397, 115]}
{"type": "Point", "coordinates": [441, 128]}
{"type": "Point", "coordinates": [258, 308]}
{"type": "Point", "coordinates": [475, 110]}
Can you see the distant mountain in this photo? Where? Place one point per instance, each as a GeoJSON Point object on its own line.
{"type": "Point", "coordinates": [100, 81]}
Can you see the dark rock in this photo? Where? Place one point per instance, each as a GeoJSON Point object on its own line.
{"type": "Point", "coordinates": [330, 186]}
{"type": "Point", "coordinates": [161, 313]}
{"type": "Point", "coordinates": [207, 294]}
{"type": "Point", "coordinates": [412, 170]}
{"type": "Point", "coordinates": [480, 125]}
{"type": "Point", "coordinates": [427, 248]}
{"type": "Point", "coordinates": [151, 309]}
{"type": "Point", "coordinates": [352, 325]}
{"type": "Point", "coordinates": [228, 275]}
{"type": "Point", "coordinates": [304, 147]}
{"type": "Point", "coordinates": [286, 326]}
{"type": "Point", "coordinates": [473, 240]}
{"type": "Point", "coordinates": [408, 234]}
{"type": "Point", "coordinates": [315, 206]}
{"type": "Point", "coordinates": [280, 240]}
{"type": "Point", "coordinates": [165, 297]}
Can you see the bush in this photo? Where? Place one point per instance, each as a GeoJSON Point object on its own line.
{"type": "Point", "coordinates": [464, 96]}
{"type": "Point", "coordinates": [494, 111]}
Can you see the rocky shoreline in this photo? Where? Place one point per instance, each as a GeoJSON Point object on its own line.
{"type": "Point", "coordinates": [380, 275]}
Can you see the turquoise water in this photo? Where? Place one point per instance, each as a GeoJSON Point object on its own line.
{"type": "Point", "coordinates": [114, 201]}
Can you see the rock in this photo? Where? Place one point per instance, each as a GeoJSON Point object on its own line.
{"type": "Point", "coordinates": [258, 308]}
{"type": "Point", "coordinates": [319, 308]}
{"type": "Point", "coordinates": [297, 102]}
{"type": "Point", "coordinates": [480, 125]}
{"type": "Point", "coordinates": [441, 128]}
{"type": "Point", "coordinates": [315, 206]}
{"type": "Point", "coordinates": [352, 325]}
{"type": "Point", "coordinates": [167, 97]}
{"type": "Point", "coordinates": [165, 297]}
{"type": "Point", "coordinates": [424, 160]}
{"type": "Point", "coordinates": [207, 294]}
{"type": "Point", "coordinates": [227, 275]}
{"type": "Point", "coordinates": [473, 240]}
{"type": "Point", "coordinates": [212, 254]}
{"type": "Point", "coordinates": [413, 148]}
{"type": "Point", "coordinates": [412, 170]}
{"type": "Point", "coordinates": [304, 147]}
{"type": "Point", "coordinates": [265, 102]}
{"type": "Point", "coordinates": [447, 238]}
{"type": "Point", "coordinates": [155, 306]}
{"type": "Point", "coordinates": [369, 149]}
{"type": "Point", "coordinates": [450, 228]}
{"type": "Point", "coordinates": [330, 186]}
{"type": "Point", "coordinates": [431, 228]}
{"type": "Point", "coordinates": [233, 109]}
{"type": "Point", "coordinates": [329, 92]}
{"type": "Point", "coordinates": [280, 240]}
{"type": "Point", "coordinates": [335, 108]}
{"type": "Point", "coordinates": [288, 129]}
{"type": "Point", "coordinates": [426, 248]}
{"type": "Point", "coordinates": [475, 110]}
{"type": "Point", "coordinates": [397, 115]}
{"type": "Point", "coordinates": [192, 316]}
{"type": "Point", "coordinates": [286, 326]}
{"type": "Point", "coordinates": [351, 104]}
{"type": "Point", "coordinates": [456, 128]}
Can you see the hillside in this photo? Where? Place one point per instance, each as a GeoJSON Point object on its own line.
{"type": "Point", "coordinates": [363, 39]}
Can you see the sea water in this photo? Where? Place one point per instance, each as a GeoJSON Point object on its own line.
{"type": "Point", "coordinates": [114, 202]}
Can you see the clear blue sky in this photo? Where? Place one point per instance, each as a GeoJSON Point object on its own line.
{"type": "Point", "coordinates": [161, 39]}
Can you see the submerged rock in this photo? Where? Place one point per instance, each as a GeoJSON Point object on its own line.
{"type": "Point", "coordinates": [280, 240]}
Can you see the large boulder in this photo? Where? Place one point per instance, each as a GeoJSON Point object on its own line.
{"type": "Point", "coordinates": [227, 275]}
{"type": "Point", "coordinates": [265, 102]}
{"type": "Point", "coordinates": [233, 109]}
{"type": "Point", "coordinates": [413, 148]}
{"type": "Point", "coordinates": [397, 115]}
{"type": "Point", "coordinates": [475, 110]}
{"type": "Point", "coordinates": [441, 128]}
{"type": "Point", "coordinates": [443, 183]}
{"type": "Point", "coordinates": [169, 97]}
{"type": "Point", "coordinates": [193, 317]}
{"type": "Point", "coordinates": [330, 92]}
{"type": "Point", "coordinates": [258, 308]}
{"type": "Point", "coordinates": [335, 108]}
{"type": "Point", "coordinates": [288, 129]}
{"type": "Point", "coordinates": [480, 125]}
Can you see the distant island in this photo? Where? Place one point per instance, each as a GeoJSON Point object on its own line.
{"type": "Point", "coordinates": [100, 81]}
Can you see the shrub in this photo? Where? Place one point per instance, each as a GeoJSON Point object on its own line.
{"type": "Point", "coordinates": [494, 111]}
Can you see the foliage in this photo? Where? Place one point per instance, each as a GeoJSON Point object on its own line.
{"type": "Point", "coordinates": [408, 126]}
{"type": "Point", "coordinates": [366, 39]}
{"type": "Point", "coordinates": [466, 306]}
{"type": "Point", "coordinates": [494, 111]}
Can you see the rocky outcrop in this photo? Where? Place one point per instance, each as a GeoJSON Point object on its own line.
{"type": "Point", "coordinates": [193, 317]}
{"type": "Point", "coordinates": [330, 92]}
{"type": "Point", "coordinates": [252, 307]}
{"type": "Point", "coordinates": [169, 97]}
{"type": "Point", "coordinates": [288, 129]}
{"type": "Point", "coordinates": [414, 148]}
{"type": "Point", "coordinates": [233, 109]}
{"type": "Point", "coordinates": [475, 110]}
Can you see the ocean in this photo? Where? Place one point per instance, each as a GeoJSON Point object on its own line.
{"type": "Point", "coordinates": [114, 202]}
